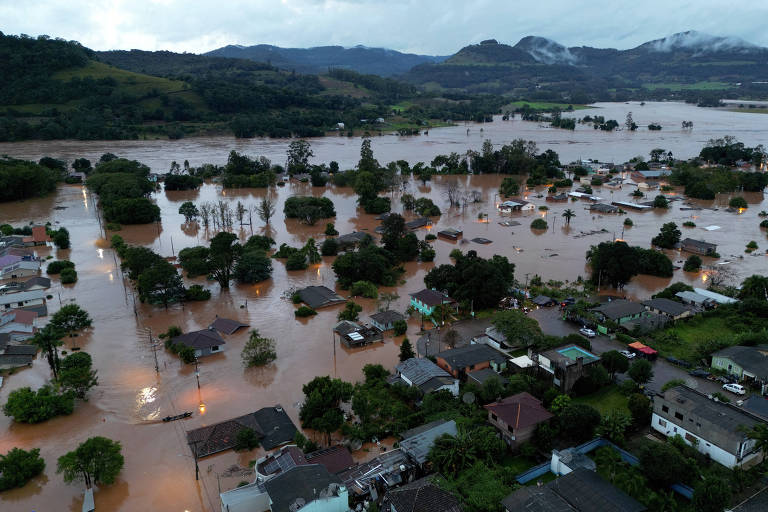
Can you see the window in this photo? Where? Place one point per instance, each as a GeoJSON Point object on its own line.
{"type": "Point", "coordinates": [690, 438]}
{"type": "Point", "coordinates": [678, 416]}
{"type": "Point", "coordinates": [494, 417]}
{"type": "Point", "coordinates": [214, 348]}
{"type": "Point", "coordinates": [662, 423]}
{"type": "Point", "coordinates": [509, 427]}
{"type": "Point", "coordinates": [664, 408]}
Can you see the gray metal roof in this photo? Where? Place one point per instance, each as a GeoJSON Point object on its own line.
{"type": "Point", "coordinates": [226, 325]}
{"type": "Point", "coordinates": [619, 308]}
{"type": "Point", "coordinates": [301, 484]}
{"type": "Point", "coordinates": [420, 370]}
{"type": "Point", "coordinates": [700, 244]}
{"type": "Point", "coordinates": [752, 359]}
{"type": "Point", "coordinates": [418, 446]}
{"type": "Point", "coordinates": [320, 296]}
{"type": "Point", "coordinates": [470, 355]}
{"type": "Point", "coordinates": [420, 496]}
{"type": "Point", "coordinates": [352, 238]}
{"type": "Point", "coordinates": [670, 307]}
{"type": "Point", "coordinates": [205, 338]}
{"type": "Point", "coordinates": [386, 317]}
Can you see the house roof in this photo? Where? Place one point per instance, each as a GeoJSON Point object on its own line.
{"type": "Point", "coordinates": [542, 300]}
{"type": "Point", "coordinates": [320, 296]}
{"type": "Point", "coordinates": [10, 298]}
{"type": "Point", "coordinates": [226, 325]}
{"type": "Point", "coordinates": [198, 340]}
{"type": "Point", "coordinates": [21, 350]}
{"type": "Point", "coordinates": [420, 370]}
{"type": "Point", "coordinates": [481, 376]}
{"type": "Point", "coordinates": [752, 359]}
{"type": "Point", "coordinates": [420, 496]}
{"type": "Point", "coordinates": [605, 208]}
{"type": "Point", "coordinates": [24, 316]}
{"type": "Point", "coordinates": [757, 405]}
{"type": "Point", "coordinates": [470, 355]}
{"type": "Point", "coordinates": [9, 259]}
{"type": "Point", "coordinates": [43, 282]}
{"type": "Point", "coordinates": [418, 223]}
{"type": "Point", "coordinates": [717, 297]}
{"type": "Point", "coordinates": [15, 359]}
{"type": "Point", "coordinates": [520, 411]}
{"type": "Point", "coordinates": [387, 317]}
{"type": "Point", "coordinates": [699, 244]}
{"type": "Point", "coordinates": [450, 232]}
{"type": "Point", "coordinates": [436, 383]}
{"type": "Point", "coordinates": [721, 423]}
{"type": "Point", "coordinates": [352, 238]}
{"type": "Point", "coordinates": [346, 326]}
{"type": "Point", "coordinates": [581, 490]}
{"type": "Point", "coordinates": [335, 459]}
{"type": "Point", "coordinates": [272, 424]}
{"type": "Point", "coordinates": [301, 485]}
{"type": "Point", "coordinates": [694, 297]}
{"type": "Point", "coordinates": [670, 307]}
{"type": "Point", "coordinates": [431, 297]}
{"type": "Point", "coordinates": [417, 446]}
{"type": "Point", "coordinates": [619, 308]}
{"type": "Point", "coordinates": [39, 234]}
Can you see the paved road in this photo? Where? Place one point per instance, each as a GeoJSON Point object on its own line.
{"type": "Point", "coordinates": [432, 342]}
{"type": "Point", "coordinates": [551, 323]}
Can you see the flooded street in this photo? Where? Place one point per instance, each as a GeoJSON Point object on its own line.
{"type": "Point", "coordinates": [159, 472]}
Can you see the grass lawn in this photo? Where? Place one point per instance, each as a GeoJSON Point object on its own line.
{"type": "Point", "coordinates": [605, 400]}
{"type": "Point", "coordinates": [516, 463]}
{"type": "Point", "coordinates": [690, 334]}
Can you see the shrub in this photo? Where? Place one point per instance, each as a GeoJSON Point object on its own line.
{"type": "Point", "coordinates": [539, 224]}
{"type": "Point", "coordinates": [737, 202]}
{"type": "Point", "coordinates": [258, 350]}
{"type": "Point", "coordinates": [17, 467]}
{"type": "Point", "coordinates": [296, 261]}
{"type": "Point", "coordinates": [764, 224]}
{"type": "Point", "coordinates": [689, 224]}
{"type": "Point", "coordinates": [456, 254]}
{"type": "Point", "coordinates": [427, 254]}
{"type": "Point", "coordinates": [114, 226]}
{"type": "Point", "coordinates": [197, 292]}
{"type": "Point", "coordinates": [330, 247]}
{"type": "Point", "coordinates": [692, 264]}
{"type": "Point", "coordinates": [27, 406]}
{"type": "Point", "coordinates": [246, 439]}
{"type": "Point", "coordinates": [660, 202]}
{"type": "Point", "coordinates": [350, 311]}
{"type": "Point", "coordinates": [400, 327]}
{"type": "Point", "coordinates": [330, 229]}
{"type": "Point", "coordinates": [628, 222]}
{"type": "Point", "coordinates": [304, 311]}
{"type": "Point", "coordinates": [68, 276]}
{"type": "Point", "coordinates": [430, 236]}
{"type": "Point", "coordinates": [55, 267]}
{"type": "Point", "coordinates": [365, 289]}
{"type": "Point", "coordinates": [543, 208]}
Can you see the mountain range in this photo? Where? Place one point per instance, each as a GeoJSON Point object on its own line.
{"type": "Point", "coordinates": [686, 60]}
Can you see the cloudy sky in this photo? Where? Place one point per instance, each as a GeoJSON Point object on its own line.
{"type": "Point", "coordinates": [420, 26]}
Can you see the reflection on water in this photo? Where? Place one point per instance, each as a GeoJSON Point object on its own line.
{"type": "Point", "coordinates": [146, 408]}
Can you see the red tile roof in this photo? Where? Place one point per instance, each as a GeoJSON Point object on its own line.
{"type": "Point", "coordinates": [26, 317]}
{"type": "Point", "coordinates": [520, 411]}
{"type": "Point", "coordinates": [39, 234]}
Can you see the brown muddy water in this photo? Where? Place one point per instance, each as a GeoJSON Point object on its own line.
{"type": "Point", "coordinates": [131, 397]}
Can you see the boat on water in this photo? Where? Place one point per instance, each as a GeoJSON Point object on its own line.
{"type": "Point", "coordinates": [177, 417]}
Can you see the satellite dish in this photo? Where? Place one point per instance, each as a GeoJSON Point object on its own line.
{"type": "Point", "coordinates": [468, 397]}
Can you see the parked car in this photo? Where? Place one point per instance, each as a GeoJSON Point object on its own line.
{"type": "Point", "coordinates": [627, 354]}
{"type": "Point", "coordinates": [735, 388]}
{"type": "Point", "coordinates": [589, 333]}
{"type": "Point", "coordinates": [698, 372]}
{"type": "Point", "coordinates": [568, 302]}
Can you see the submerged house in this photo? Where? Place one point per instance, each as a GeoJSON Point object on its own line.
{"type": "Point", "coordinates": [698, 247]}
{"type": "Point", "coordinates": [354, 335]}
{"type": "Point", "coordinates": [319, 297]}
{"type": "Point", "coordinates": [462, 361]}
{"type": "Point", "coordinates": [450, 233]}
{"type": "Point", "coordinates": [426, 375]}
{"type": "Point", "coordinates": [385, 320]}
{"type": "Point", "coordinates": [204, 342]}
{"type": "Point", "coordinates": [39, 237]}
{"type": "Point", "coordinates": [18, 300]}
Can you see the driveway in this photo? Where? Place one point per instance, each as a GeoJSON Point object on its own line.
{"type": "Point", "coordinates": [551, 323]}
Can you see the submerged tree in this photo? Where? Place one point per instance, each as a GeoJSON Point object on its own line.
{"type": "Point", "coordinates": [48, 340]}
{"type": "Point", "coordinates": [258, 350]}
{"type": "Point", "coordinates": [96, 461]}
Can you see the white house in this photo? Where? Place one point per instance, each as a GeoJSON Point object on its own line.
{"type": "Point", "coordinates": [17, 300]}
{"type": "Point", "coordinates": [715, 428]}
{"type": "Point", "coordinates": [519, 205]}
{"type": "Point", "coordinates": [19, 268]}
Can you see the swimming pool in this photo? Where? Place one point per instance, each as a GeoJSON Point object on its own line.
{"type": "Point", "coordinates": [575, 352]}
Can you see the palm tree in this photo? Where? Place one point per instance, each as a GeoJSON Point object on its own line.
{"type": "Point", "coordinates": [568, 214]}
{"type": "Point", "coordinates": [48, 339]}
{"type": "Point", "coordinates": [452, 454]}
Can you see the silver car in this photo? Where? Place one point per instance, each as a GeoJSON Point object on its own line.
{"type": "Point", "coordinates": [589, 333]}
{"type": "Point", "coordinates": [735, 388]}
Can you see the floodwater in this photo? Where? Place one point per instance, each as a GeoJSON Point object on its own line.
{"type": "Point", "coordinates": [584, 142]}
{"type": "Point", "coordinates": [132, 397]}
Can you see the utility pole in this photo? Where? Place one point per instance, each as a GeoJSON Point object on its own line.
{"type": "Point", "coordinates": [197, 372]}
{"type": "Point", "coordinates": [154, 350]}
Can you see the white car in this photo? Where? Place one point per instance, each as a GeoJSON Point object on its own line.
{"type": "Point", "coordinates": [627, 354]}
{"type": "Point", "coordinates": [735, 388]}
{"type": "Point", "coordinates": [589, 333]}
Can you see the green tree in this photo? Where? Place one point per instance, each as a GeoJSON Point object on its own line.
{"type": "Point", "coordinates": [330, 247]}
{"type": "Point", "coordinates": [712, 494]}
{"type": "Point", "coordinates": [160, 284]}
{"type": "Point", "coordinates": [258, 350]}
{"type": "Point", "coordinates": [662, 464]}
{"type": "Point", "coordinates": [96, 461]}
{"type": "Point", "coordinates": [311, 252]}
{"type": "Point", "coordinates": [509, 187]}
{"type": "Point", "coordinates": [754, 287]}
{"type": "Point", "coordinates": [299, 153]}
{"type": "Point", "coordinates": [246, 439]}
{"type": "Point", "coordinates": [641, 372]}
{"type": "Point", "coordinates": [27, 406]}
{"type": "Point", "coordinates": [568, 214]}
{"type": "Point", "coordinates": [759, 432]}
{"type": "Point", "coordinates": [68, 276]}
{"type": "Point", "coordinates": [76, 374]}
{"type": "Point", "coordinates": [71, 318]}
{"type": "Point", "coordinates": [614, 362]}
{"type": "Point", "coordinates": [539, 223]}
{"type": "Point", "coordinates": [17, 467]}
{"type": "Point", "coordinates": [48, 340]}
{"type": "Point", "coordinates": [668, 236]}
{"type": "Point", "coordinates": [61, 238]}
{"type": "Point", "coordinates": [406, 350]}
{"type": "Point", "coordinates": [612, 263]}
{"type": "Point", "coordinates": [640, 408]}
{"type": "Point", "coordinates": [519, 329]}
{"type": "Point", "coordinates": [321, 408]}
{"type": "Point", "coordinates": [692, 264]}
{"type": "Point", "coordinates": [224, 252]}
{"type": "Point", "coordinates": [559, 404]}
{"type": "Point", "coordinates": [367, 161]}
{"type": "Point", "coordinates": [253, 266]}
{"type": "Point", "coordinates": [189, 211]}
{"type": "Point", "coordinates": [350, 312]}
{"type": "Point", "coordinates": [660, 201]}
{"type": "Point", "coordinates": [738, 202]}
{"type": "Point", "coordinates": [578, 422]}
{"type": "Point", "coordinates": [614, 424]}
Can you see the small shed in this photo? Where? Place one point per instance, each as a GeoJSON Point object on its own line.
{"type": "Point", "coordinates": [450, 234]}
{"type": "Point", "coordinates": [385, 320]}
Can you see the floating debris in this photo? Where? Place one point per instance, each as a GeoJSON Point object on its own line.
{"type": "Point", "coordinates": [480, 240]}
